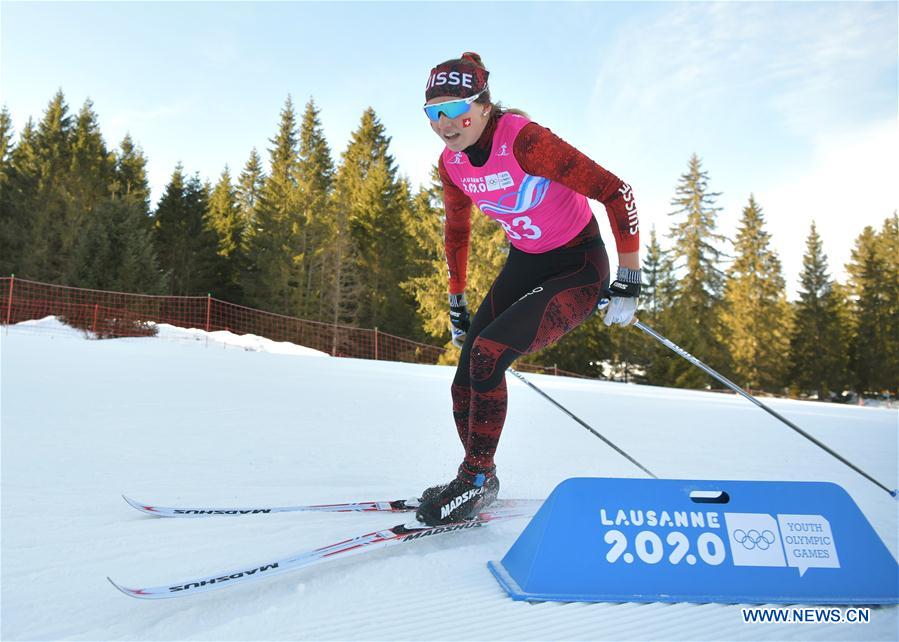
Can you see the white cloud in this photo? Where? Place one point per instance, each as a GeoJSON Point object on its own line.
{"type": "Point", "coordinates": [792, 102]}
{"type": "Point", "coordinates": [812, 65]}
{"type": "Point", "coordinates": [850, 183]}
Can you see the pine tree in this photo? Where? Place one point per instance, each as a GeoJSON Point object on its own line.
{"type": "Point", "coordinates": [755, 312]}
{"type": "Point", "coordinates": [653, 361]}
{"type": "Point", "coordinates": [270, 282]}
{"type": "Point", "coordinates": [873, 318]}
{"type": "Point", "coordinates": [130, 178]}
{"type": "Point", "coordinates": [169, 227]}
{"type": "Point", "coordinates": [12, 228]}
{"type": "Point", "coordinates": [658, 278]}
{"type": "Point", "coordinates": [817, 360]}
{"type": "Point", "coordinates": [92, 169]}
{"type": "Point", "coordinates": [344, 287]}
{"type": "Point", "coordinates": [249, 187]}
{"type": "Point", "coordinates": [370, 202]}
{"type": "Point", "coordinates": [315, 177]}
{"type": "Point", "coordinates": [52, 214]}
{"type": "Point", "coordinates": [18, 200]}
{"type": "Point", "coordinates": [426, 283]}
{"type": "Point", "coordinates": [223, 217]}
{"type": "Point", "coordinates": [888, 248]}
{"type": "Point", "coordinates": [696, 257]}
{"type": "Point", "coordinates": [115, 250]}
{"type": "Point", "coordinates": [187, 248]}
{"type": "Point", "coordinates": [205, 274]}
{"type": "Point", "coordinates": [54, 141]}
{"type": "Point", "coordinates": [380, 239]}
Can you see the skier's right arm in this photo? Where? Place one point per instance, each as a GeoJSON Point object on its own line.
{"type": "Point", "coordinates": [456, 240]}
{"type": "Point", "coordinates": [457, 230]}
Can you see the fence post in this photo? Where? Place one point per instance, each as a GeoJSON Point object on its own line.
{"type": "Point", "coordinates": [376, 343]}
{"type": "Point", "coordinates": [208, 308]}
{"type": "Point", "coordinates": [94, 324]}
{"type": "Point", "coordinates": [12, 282]}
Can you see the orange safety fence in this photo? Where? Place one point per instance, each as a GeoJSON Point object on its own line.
{"type": "Point", "coordinates": [118, 314]}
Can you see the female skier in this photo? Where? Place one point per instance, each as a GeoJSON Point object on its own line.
{"type": "Point", "coordinates": [535, 185]}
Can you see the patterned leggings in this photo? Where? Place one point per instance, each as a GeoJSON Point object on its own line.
{"type": "Point", "coordinates": [535, 300]}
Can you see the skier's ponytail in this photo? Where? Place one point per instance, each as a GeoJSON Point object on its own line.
{"type": "Point", "coordinates": [484, 99]}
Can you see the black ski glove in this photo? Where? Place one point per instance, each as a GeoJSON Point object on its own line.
{"type": "Point", "coordinates": [460, 319]}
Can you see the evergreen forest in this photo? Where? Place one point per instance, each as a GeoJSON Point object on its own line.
{"type": "Point", "coordinates": [349, 241]}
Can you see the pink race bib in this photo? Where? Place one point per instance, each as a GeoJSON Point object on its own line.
{"type": "Point", "coordinates": [537, 214]}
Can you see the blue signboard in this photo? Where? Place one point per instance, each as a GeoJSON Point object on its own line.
{"type": "Point", "coordinates": [647, 540]}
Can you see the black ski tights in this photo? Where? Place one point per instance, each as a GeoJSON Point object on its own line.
{"type": "Point", "coordinates": [535, 300]}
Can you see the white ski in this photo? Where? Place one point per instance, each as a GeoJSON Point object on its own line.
{"type": "Point", "coordinates": [394, 506]}
{"type": "Point", "coordinates": [376, 540]}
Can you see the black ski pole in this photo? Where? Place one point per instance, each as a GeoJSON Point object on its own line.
{"type": "Point", "coordinates": [727, 382]}
{"type": "Point", "coordinates": [584, 424]}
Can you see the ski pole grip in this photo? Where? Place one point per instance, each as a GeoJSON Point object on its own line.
{"type": "Point", "coordinates": [604, 302]}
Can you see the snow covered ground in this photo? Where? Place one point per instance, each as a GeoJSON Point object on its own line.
{"type": "Point", "coordinates": [176, 421]}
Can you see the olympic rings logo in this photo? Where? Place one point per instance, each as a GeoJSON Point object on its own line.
{"type": "Point", "coordinates": [753, 539]}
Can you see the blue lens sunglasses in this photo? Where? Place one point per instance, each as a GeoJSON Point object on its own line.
{"type": "Point", "coordinates": [452, 108]}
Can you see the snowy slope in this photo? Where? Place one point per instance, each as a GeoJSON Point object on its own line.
{"type": "Point", "coordinates": [177, 422]}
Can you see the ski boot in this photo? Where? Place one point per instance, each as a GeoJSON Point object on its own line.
{"type": "Point", "coordinates": [472, 491]}
{"type": "Point", "coordinates": [426, 496]}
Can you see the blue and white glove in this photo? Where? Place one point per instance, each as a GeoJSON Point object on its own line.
{"type": "Point", "coordinates": [623, 294]}
{"type": "Point", "coordinates": [460, 319]}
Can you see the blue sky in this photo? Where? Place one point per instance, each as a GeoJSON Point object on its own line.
{"type": "Point", "coordinates": [794, 102]}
